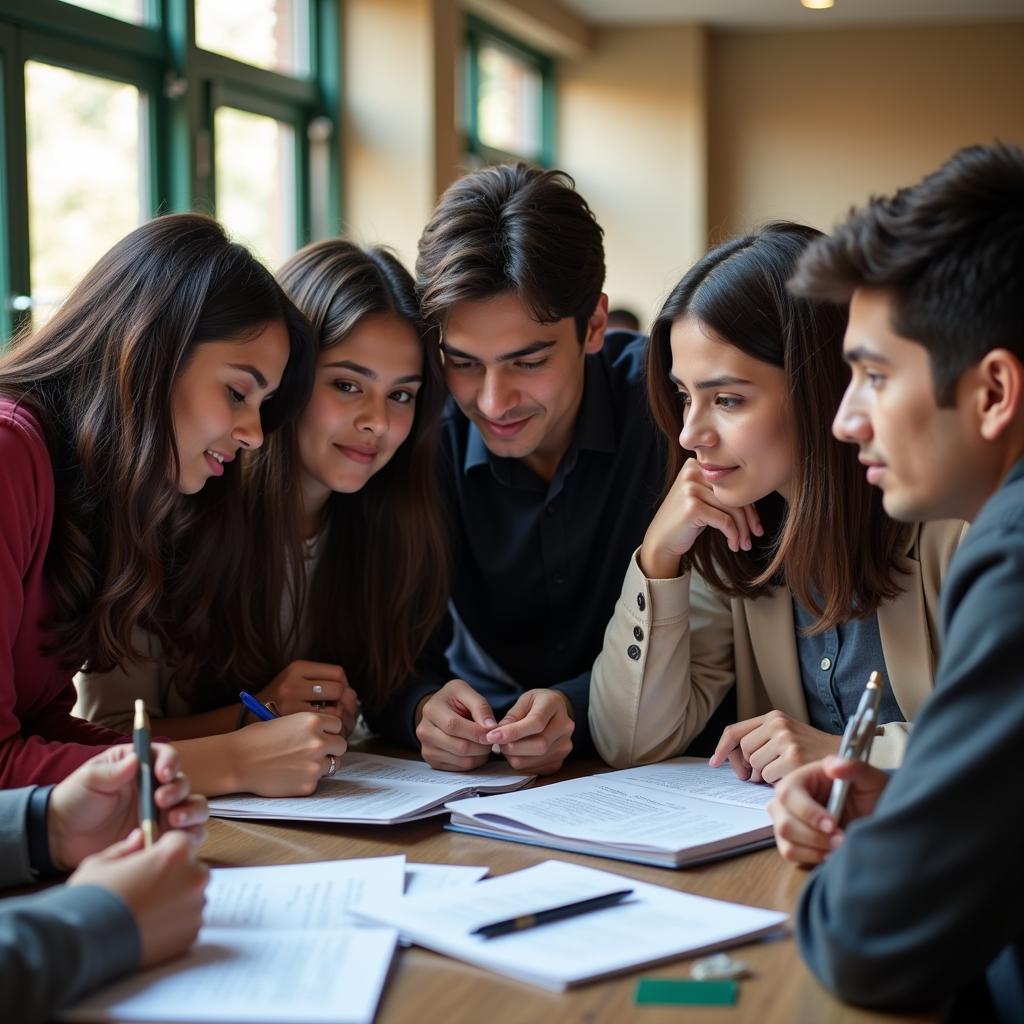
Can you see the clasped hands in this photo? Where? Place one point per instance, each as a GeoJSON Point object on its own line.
{"type": "Point", "coordinates": [458, 731]}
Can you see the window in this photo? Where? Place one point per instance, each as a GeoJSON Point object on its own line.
{"type": "Point", "coordinates": [510, 98]}
{"type": "Point", "coordinates": [115, 110]}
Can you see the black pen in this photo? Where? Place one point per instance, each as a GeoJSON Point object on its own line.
{"type": "Point", "coordinates": [140, 735]}
{"type": "Point", "coordinates": [517, 924]}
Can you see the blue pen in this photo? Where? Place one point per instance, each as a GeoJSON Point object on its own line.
{"type": "Point", "coordinates": [261, 711]}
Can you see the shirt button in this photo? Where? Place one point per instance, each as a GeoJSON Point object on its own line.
{"type": "Point", "coordinates": [826, 664]}
{"type": "Point", "coordinates": [638, 633]}
{"type": "Point", "coordinates": [634, 652]}
{"type": "Point", "coordinates": [640, 602]}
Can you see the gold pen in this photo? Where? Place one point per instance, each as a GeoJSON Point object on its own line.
{"type": "Point", "coordinates": [140, 736]}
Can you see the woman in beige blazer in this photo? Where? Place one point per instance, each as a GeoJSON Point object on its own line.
{"type": "Point", "coordinates": [771, 566]}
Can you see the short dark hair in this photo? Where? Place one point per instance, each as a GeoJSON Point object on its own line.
{"type": "Point", "coordinates": [515, 229]}
{"type": "Point", "coordinates": [833, 545]}
{"type": "Point", "coordinates": [951, 251]}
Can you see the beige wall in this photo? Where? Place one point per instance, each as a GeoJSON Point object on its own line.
{"type": "Point", "coordinates": [400, 140]}
{"type": "Point", "coordinates": [804, 124]}
{"type": "Point", "coordinates": [631, 130]}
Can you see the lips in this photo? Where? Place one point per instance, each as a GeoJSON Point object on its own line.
{"type": "Point", "coordinates": [361, 454]}
{"type": "Point", "coordinates": [504, 431]}
{"type": "Point", "coordinates": [216, 460]}
{"type": "Point", "coordinates": [875, 470]}
{"type": "Point", "coordinates": [713, 473]}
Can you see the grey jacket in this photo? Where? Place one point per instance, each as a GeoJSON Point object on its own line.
{"type": "Point", "coordinates": [57, 945]}
{"type": "Point", "coordinates": [927, 894]}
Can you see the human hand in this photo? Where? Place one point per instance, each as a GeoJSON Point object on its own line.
{"type": "Point", "coordinates": [451, 725]}
{"type": "Point", "coordinates": [286, 756]}
{"type": "Point", "coordinates": [313, 686]}
{"type": "Point", "coordinates": [163, 887]}
{"type": "Point", "coordinates": [804, 830]}
{"type": "Point", "coordinates": [536, 733]}
{"type": "Point", "coordinates": [689, 508]}
{"type": "Point", "coordinates": [766, 748]}
{"type": "Point", "coordinates": [98, 803]}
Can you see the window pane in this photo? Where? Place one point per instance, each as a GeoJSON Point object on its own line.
{"type": "Point", "coordinates": [126, 10]}
{"type": "Point", "coordinates": [509, 104]}
{"type": "Point", "coordinates": [271, 34]}
{"type": "Point", "coordinates": [85, 174]}
{"type": "Point", "coordinates": [255, 168]}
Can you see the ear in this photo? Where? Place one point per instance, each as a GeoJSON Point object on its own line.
{"type": "Point", "coordinates": [596, 326]}
{"type": "Point", "coordinates": [1000, 378]}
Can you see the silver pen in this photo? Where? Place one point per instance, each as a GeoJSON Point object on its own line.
{"type": "Point", "coordinates": [857, 739]}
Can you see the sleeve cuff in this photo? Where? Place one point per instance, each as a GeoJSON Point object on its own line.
{"type": "Point", "coordinates": [657, 601]}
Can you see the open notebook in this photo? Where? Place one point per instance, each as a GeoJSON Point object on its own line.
{"type": "Point", "coordinates": [672, 814]}
{"type": "Point", "coordinates": [651, 925]}
{"type": "Point", "coordinates": [370, 789]}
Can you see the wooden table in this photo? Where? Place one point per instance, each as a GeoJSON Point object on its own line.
{"type": "Point", "coordinates": [425, 988]}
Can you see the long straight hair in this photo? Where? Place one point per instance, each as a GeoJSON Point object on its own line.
{"type": "Point", "coordinates": [834, 546]}
{"type": "Point", "coordinates": [381, 581]}
{"type": "Point", "coordinates": [127, 549]}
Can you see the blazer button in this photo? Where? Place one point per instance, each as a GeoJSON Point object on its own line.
{"type": "Point", "coordinates": [633, 651]}
{"type": "Point", "coordinates": [641, 603]}
{"type": "Point", "coordinates": [638, 633]}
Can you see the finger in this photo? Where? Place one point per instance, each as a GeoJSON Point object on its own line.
{"type": "Point", "coordinates": [325, 689]}
{"type": "Point", "coordinates": [434, 737]}
{"type": "Point", "coordinates": [327, 723]}
{"type": "Point", "coordinates": [725, 523]}
{"type": "Point", "coordinates": [797, 831]}
{"type": "Point", "coordinates": [319, 671]}
{"type": "Point", "coordinates": [449, 722]}
{"type": "Point", "coordinates": [753, 520]}
{"type": "Point", "coordinates": [130, 844]}
{"type": "Point", "coordinates": [191, 812]}
{"type": "Point", "coordinates": [732, 735]}
{"type": "Point", "coordinates": [166, 763]}
{"type": "Point", "coordinates": [739, 766]}
{"type": "Point", "coordinates": [472, 703]}
{"type": "Point", "coordinates": [739, 517]}
{"type": "Point", "coordinates": [172, 793]}
{"type": "Point", "coordinates": [800, 804]}
{"type": "Point", "coordinates": [806, 856]}
{"type": "Point", "coordinates": [535, 722]}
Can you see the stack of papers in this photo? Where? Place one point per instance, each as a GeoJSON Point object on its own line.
{"type": "Point", "coordinates": [277, 944]}
{"type": "Point", "coordinates": [672, 814]}
{"type": "Point", "coordinates": [369, 789]}
{"type": "Point", "coordinates": [652, 925]}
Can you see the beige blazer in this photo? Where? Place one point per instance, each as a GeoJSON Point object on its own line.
{"type": "Point", "coordinates": [675, 647]}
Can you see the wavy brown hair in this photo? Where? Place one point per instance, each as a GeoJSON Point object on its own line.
{"type": "Point", "coordinates": [381, 581]}
{"type": "Point", "coordinates": [127, 549]}
{"type": "Point", "coordinates": [834, 547]}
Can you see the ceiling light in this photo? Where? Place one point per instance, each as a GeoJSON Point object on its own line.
{"type": "Point", "coordinates": [818, 5]}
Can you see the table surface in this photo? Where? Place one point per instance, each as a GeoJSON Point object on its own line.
{"type": "Point", "coordinates": [425, 987]}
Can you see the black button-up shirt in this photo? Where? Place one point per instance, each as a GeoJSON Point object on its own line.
{"type": "Point", "coordinates": [537, 567]}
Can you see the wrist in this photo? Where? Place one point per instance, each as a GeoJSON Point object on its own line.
{"type": "Point", "coordinates": [45, 846]}
{"type": "Point", "coordinates": [657, 565]}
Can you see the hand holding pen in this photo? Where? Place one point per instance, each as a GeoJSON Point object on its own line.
{"type": "Point", "coordinates": [857, 740]}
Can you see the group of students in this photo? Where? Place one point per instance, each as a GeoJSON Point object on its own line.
{"type": "Point", "coordinates": [784, 473]}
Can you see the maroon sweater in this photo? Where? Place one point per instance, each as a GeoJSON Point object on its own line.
{"type": "Point", "coordinates": [40, 741]}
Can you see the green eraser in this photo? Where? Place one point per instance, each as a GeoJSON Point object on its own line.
{"type": "Point", "coordinates": [685, 992]}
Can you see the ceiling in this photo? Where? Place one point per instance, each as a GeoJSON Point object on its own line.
{"type": "Point", "coordinates": [789, 13]}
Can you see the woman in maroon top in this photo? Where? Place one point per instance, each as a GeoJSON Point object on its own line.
{"type": "Point", "coordinates": [176, 351]}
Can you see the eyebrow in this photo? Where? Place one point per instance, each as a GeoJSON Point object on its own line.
{"type": "Point", "coordinates": [713, 382]}
{"type": "Point", "coordinates": [520, 353]}
{"type": "Point", "coordinates": [250, 369]}
{"type": "Point", "coordinates": [365, 371]}
{"type": "Point", "coordinates": [864, 354]}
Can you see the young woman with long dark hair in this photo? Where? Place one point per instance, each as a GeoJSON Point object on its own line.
{"type": "Point", "coordinates": [347, 570]}
{"type": "Point", "coordinates": [120, 422]}
{"type": "Point", "coordinates": [771, 567]}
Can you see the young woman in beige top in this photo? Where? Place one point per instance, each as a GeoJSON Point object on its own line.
{"type": "Point", "coordinates": [770, 567]}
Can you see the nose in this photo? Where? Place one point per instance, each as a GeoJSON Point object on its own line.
{"type": "Point", "coordinates": [495, 398]}
{"type": "Point", "coordinates": [696, 432]}
{"type": "Point", "coordinates": [248, 431]}
{"type": "Point", "coordinates": [851, 422]}
{"type": "Point", "coordinates": [372, 416]}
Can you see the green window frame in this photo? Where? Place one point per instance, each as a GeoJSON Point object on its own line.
{"type": "Point", "coordinates": [184, 86]}
{"type": "Point", "coordinates": [478, 33]}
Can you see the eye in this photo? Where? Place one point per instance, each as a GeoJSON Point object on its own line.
{"type": "Point", "coordinates": [460, 364]}
{"type": "Point", "coordinates": [684, 397]}
{"type": "Point", "coordinates": [236, 397]}
{"type": "Point", "coordinates": [347, 387]}
{"type": "Point", "coordinates": [875, 380]}
{"type": "Point", "coordinates": [530, 364]}
{"type": "Point", "coordinates": [728, 401]}
{"type": "Point", "coordinates": [402, 397]}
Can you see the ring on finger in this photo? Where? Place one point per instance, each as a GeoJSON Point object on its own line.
{"type": "Point", "coordinates": [333, 766]}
